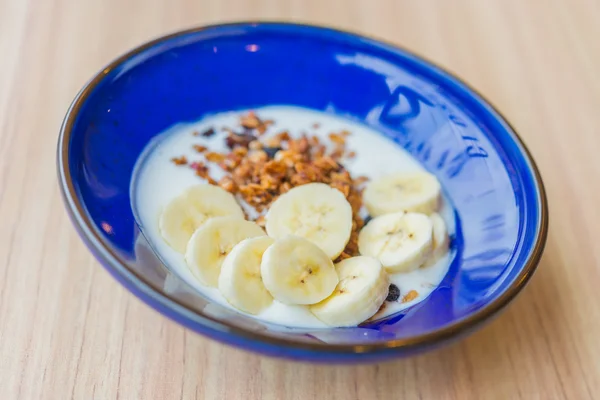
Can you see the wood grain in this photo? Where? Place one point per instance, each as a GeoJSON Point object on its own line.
{"type": "Point", "coordinates": [68, 330]}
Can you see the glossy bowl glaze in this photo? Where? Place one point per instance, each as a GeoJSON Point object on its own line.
{"type": "Point", "coordinates": [486, 171]}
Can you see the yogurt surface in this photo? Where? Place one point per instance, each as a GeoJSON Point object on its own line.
{"type": "Point", "coordinates": [156, 180]}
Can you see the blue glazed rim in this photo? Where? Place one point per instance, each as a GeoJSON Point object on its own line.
{"type": "Point", "coordinates": [239, 337]}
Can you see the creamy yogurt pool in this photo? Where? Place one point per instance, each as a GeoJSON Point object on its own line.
{"type": "Point", "coordinates": [157, 180]}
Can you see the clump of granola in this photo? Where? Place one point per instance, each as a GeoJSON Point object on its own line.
{"type": "Point", "coordinates": [410, 296]}
{"type": "Point", "coordinates": [393, 293]}
{"type": "Point", "coordinates": [260, 170]}
{"type": "Point", "coordinates": [179, 160]}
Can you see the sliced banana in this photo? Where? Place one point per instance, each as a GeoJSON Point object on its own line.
{"type": "Point", "coordinates": [440, 235]}
{"type": "Point", "coordinates": [316, 212]}
{"type": "Point", "coordinates": [405, 191]}
{"type": "Point", "coordinates": [185, 213]}
{"type": "Point", "coordinates": [400, 241]}
{"type": "Point", "coordinates": [240, 281]}
{"type": "Point", "coordinates": [296, 271]}
{"type": "Point", "coordinates": [440, 239]}
{"type": "Point", "coordinates": [212, 242]}
{"type": "Point", "coordinates": [359, 294]}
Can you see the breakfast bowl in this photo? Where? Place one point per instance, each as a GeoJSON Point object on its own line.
{"type": "Point", "coordinates": [392, 108]}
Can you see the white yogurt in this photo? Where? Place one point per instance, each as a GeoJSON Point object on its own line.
{"type": "Point", "coordinates": [156, 180]}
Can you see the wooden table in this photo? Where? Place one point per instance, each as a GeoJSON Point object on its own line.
{"type": "Point", "coordinates": [68, 330]}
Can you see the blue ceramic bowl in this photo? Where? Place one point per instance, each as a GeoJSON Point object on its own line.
{"type": "Point", "coordinates": [486, 171]}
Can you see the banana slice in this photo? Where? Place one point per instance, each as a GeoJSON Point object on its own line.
{"type": "Point", "coordinates": [441, 241]}
{"type": "Point", "coordinates": [361, 291]}
{"type": "Point", "coordinates": [316, 212]}
{"type": "Point", "coordinates": [440, 235]}
{"type": "Point", "coordinates": [240, 281]}
{"type": "Point", "coordinates": [296, 271]}
{"type": "Point", "coordinates": [400, 241]}
{"type": "Point", "coordinates": [406, 191]}
{"type": "Point", "coordinates": [192, 208]}
{"type": "Point", "coordinates": [212, 242]}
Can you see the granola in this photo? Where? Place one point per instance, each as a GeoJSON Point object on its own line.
{"type": "Point", "coordinates": [260, 170]}
{"type": "Point", "coordinates": [410, 296]}
{"type": "Point", "coordinates": [179, 160]}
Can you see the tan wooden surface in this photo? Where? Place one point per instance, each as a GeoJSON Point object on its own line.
{"type": "Point", "coordinates": [68, 330]}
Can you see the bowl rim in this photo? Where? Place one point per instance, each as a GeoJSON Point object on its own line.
{"type": "Point", "coordinates": [242, 337]}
